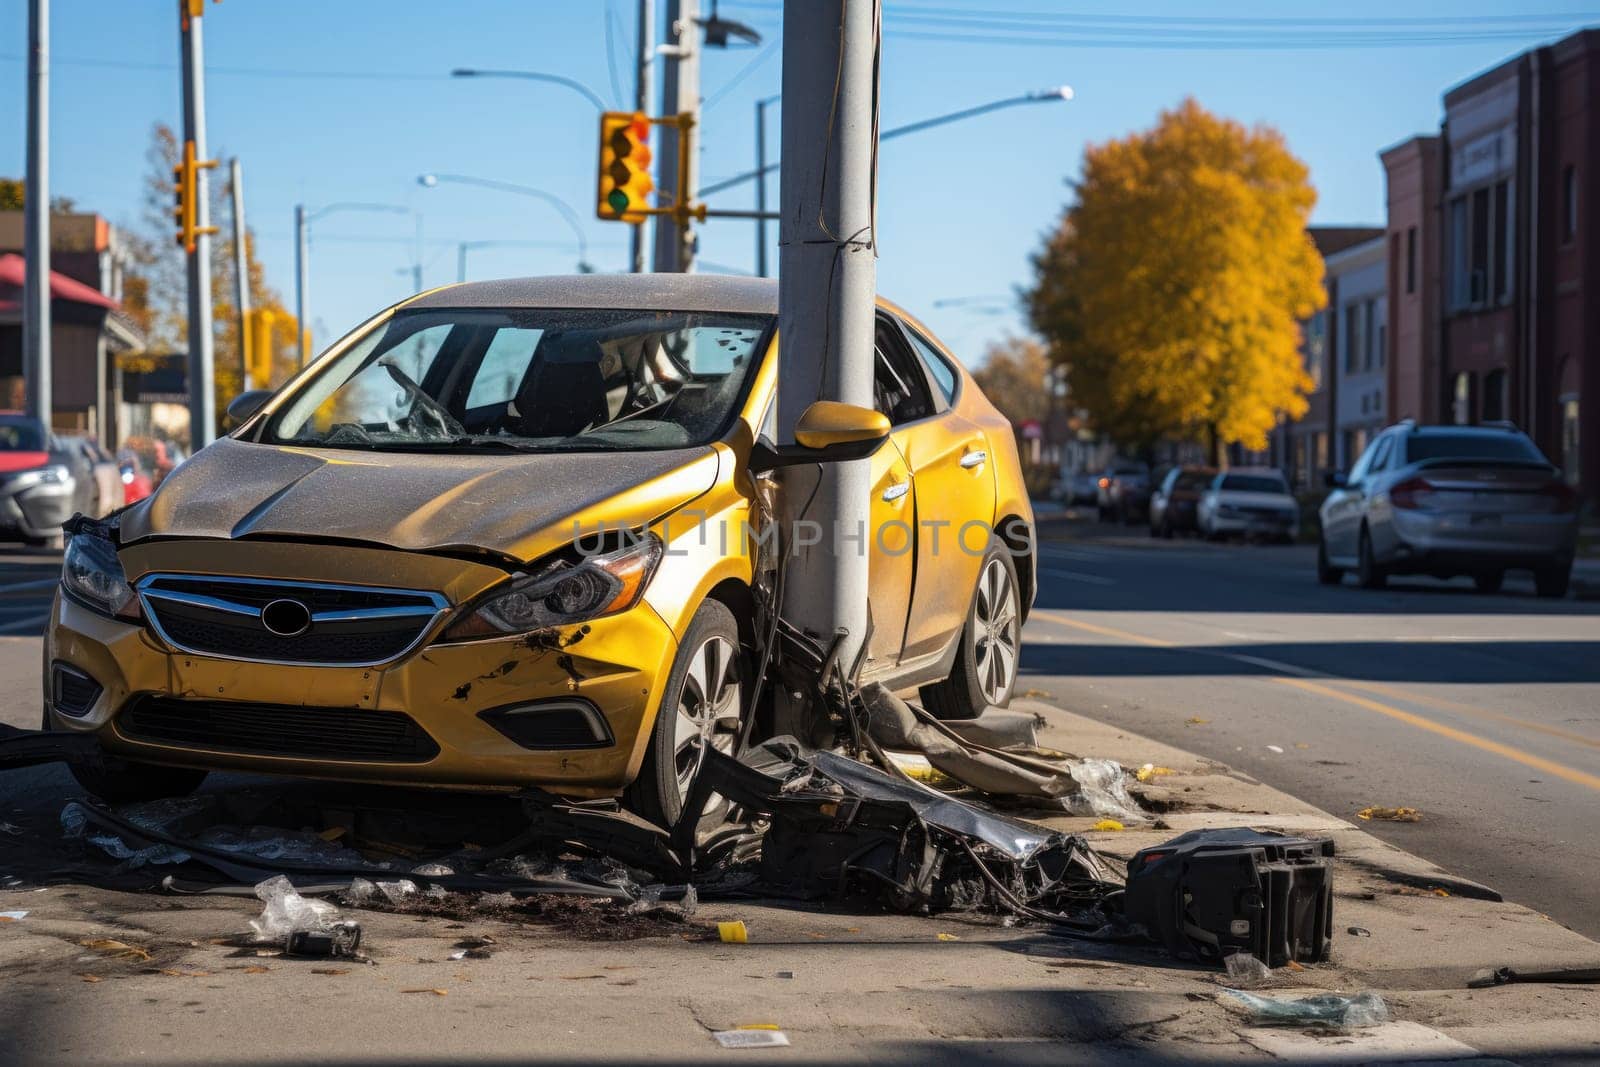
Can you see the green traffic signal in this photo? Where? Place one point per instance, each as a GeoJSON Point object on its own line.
{"type": "Point", "coordinates": [618, 200]}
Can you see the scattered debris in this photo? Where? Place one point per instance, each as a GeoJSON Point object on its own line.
{"type": "Point", "coordinates": [12, 916]}
{"type": "Point", "coordinates": [1150, 770]}
{"type": "Point", "coordinates": [751, 1037]}
{"type": "Point", "coordinates": [1275, 748]}
{"type": "Point", "coordinates": [1494, 976]}
{"type": "Point", "coordinates": [117, 950]}
{"type": "Point", "coordinates": [679, 900]}
{"type": "Point", "coordinates": [1390, 814]}
{"type": "Point", "coordinates": [435, 992]}
{"type": "Point", "coordinates": [1323, 1009]}
{"type": "Point", "coordinates": [1359, 931]}
{"type": "Point", "coordinates": [734, 933]}
{"type": "Point", "coordinates": [1195, 720]}
{"type": "Point", "coordinates": [1107, 826]}
{"type": "Point", "coordinates": [1245, 970]}
{"type": "Point", "coordinates": [286, 912]}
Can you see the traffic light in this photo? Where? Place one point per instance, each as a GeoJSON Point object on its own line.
{"type": "Point", "coordinates": [185, 198]}
{"type": "Point", "coordinates": [625, 184]}
{"type": "Point", "coordinates": [259, 348]}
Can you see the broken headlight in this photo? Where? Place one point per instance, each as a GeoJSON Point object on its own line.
{"type": "Point", "coordinates": [92, 575]}
{"type": "Point", "coordinates": [562, 593]}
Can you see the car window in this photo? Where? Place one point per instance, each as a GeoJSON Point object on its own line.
{"type": "Point", "coordinates": [900, 388]}
{"type": "Point", "coordinates": [1505, 446]}
{"type": "Point", "coordinates": [1193, 479]}
{"type": "Point", "coordinates": [943, 375]}
{"type": "Point", "coordinates": [502, 367]}
{"type": "Point", "coordinates": [1384, 449]}
{"type": "Point", "coordinates": [1253, 483]}
{"type": "Point", "coordinates": [1359, 471]}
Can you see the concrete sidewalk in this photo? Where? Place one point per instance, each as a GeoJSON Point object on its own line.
{"type": "Point", "coordinates": [841, 986]}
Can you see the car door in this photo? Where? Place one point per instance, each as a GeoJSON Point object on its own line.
{"type": "Point", "coordinates": [1375, 486]}
{"type": "Point", "coordinates": [1341, 525]}
{"type": "Point", "coordinates": [953, 477]}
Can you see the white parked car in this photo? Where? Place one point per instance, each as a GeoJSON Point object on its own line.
{"type": "Point", "coordinates": [1249, 502]}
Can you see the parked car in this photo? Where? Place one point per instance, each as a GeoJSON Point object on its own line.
{"type": "Point", "coordinates": [136, 484]}
{"type": "Point", "coordinates": [1083, 487]}
{"type": "Point", "coordinates": [1448, 501]}
{"type": "Point", "coordinates": [1174, 503]}
{"type": "Point", "coordinates": [42, 481]}
{"type": "Point", "coordinates": [501, 536]}
{"type": "Point", "coordinates": [1251, 502]}
{"type": "Point", "coordinates": [1124, 491]}
{"type": "Point", "coordinates": [105, 478]}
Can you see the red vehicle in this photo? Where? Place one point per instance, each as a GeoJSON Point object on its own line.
{"type": "Point", "coordinates": [136, 484]}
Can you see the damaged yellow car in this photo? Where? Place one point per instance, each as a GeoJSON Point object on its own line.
{"type": "Point", "coordinates": [508, 534]}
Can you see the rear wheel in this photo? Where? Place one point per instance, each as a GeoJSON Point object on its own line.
{"type": "Point", "coordinates": [1368, 573]}
{"type": "Point", "coordinates": [703, 704]}
{"type": "Point", "coordinates": [1327, 573]}
{"type": "Point", "coordinates": [985, 670]}
{"type": "Point", "coordinates": [1552, 581]}
{"type": "Point", "coordinates": [1489, 581]}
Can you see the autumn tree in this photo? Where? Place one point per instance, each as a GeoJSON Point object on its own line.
{"type": "Point", "coordinates": [1014, 377]}
{"type": "Point", "coordinates": [156, 288]}
{"type": "Point", "coordinates": [1174, 286]}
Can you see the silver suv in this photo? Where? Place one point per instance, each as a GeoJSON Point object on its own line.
{"type": "Point", "coordinates": [1447, 501]}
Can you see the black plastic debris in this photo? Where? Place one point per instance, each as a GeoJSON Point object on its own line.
{"type": "Point", "coordinates": [1208, 894]}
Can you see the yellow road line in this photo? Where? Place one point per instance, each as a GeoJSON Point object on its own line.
{"type": "Point", "coordinates": [1516, 755]}
{"type": "Point", "coordinates": [1470, 709]}
{"type": "Point", "coordinates": [1421, 722]}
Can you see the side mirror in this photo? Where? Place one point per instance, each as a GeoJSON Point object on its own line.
{"type": "Point", "coordinates": [828, 432]}
{"type": "Point", "coordinates": [1335, 479]}
{"type": "Point", "coordinates": [248, 403]}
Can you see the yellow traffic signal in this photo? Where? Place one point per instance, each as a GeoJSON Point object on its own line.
{"type": "Point", "coordinates": [186, 202]}
{"type": "Point", "coordinates": [259, 348]}
{"type": "Point", "coordinates": [625, 184]}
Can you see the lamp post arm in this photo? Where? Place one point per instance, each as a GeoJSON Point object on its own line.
{"type": "Point", "coordinates": [538, 76]}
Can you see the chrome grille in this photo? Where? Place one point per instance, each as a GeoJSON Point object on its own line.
{"type": "Point", "coordinates": [347, 625]}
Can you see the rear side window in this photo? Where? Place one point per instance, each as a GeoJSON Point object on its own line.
{"type": "Point", "coordinates": [1502, 446]}
{"type": "Point", "coordinates": [1252, 483]}
{"type": "Point", "coordinates": [943, 375]}
{"type": "Point", "coordinates": [900, 387]}
{"type": "Point", "coordinates": [1194, 479]}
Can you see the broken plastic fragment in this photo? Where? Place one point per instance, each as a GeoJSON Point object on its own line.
{"type": "Point", "coordinates": [1102, 791]}
{"type": "Point", "coordinates": [762, 1038]}
{"type": "Point", "coordinates": [1324, 1009]}
{"type": "Point", "coordinates": [432, 870]}
{"type": "Point", "coordinates": [1390, 814]}
{"type": "Point", "coordinates": [1245, 969]}
{"type": "Point", "coordinates": [665, 900]}
{"type": "Point", "coordinates": [1150, 770]}
{"type": "Point", "coordinates": [1107, 826]}
{"type": "Point", "coordinates": [733, 932]}
{"type": "Point", "coordinates": [286, 912]}
{"type": "Point", "coordinates": [397, 892]}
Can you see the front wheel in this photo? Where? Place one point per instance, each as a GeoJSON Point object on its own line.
{"type": "Point", "coordinates": [703, 704]}
{"type": "Point", "coordinates": [1368, 573]}
{"type": "Point", "coordinates": [985, 670]}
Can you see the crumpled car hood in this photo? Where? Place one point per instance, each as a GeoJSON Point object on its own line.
{"type": "Point", "coordinates": [514, 504]}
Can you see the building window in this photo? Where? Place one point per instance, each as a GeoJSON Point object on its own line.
{"type": "Point", "coordinates": [1411, 260]}
{"type": "Point", "coordinates": [1381, 344]}
{"type": "Point", "coordinates": [1460, 276]}
{"type": "Point", "coordinates": [1369, 336]}
{"type": "Point", "coordinates": [1494, 395]}
{"type": "Point", "coordinates": [1569, 437]}
{"type": "Point", "coordinates": [1569, 204]}
{"type": "Point", "coordinates": [1461, 405]}
{"type": "Point", "coordinates": [1352, 337]}
{"type": "Point", "coordinates": [1316, 348]}
{"type": "Point", "coordinates": [1501, 258]}
{"type": "Point", "coordinates": [1480, 253]}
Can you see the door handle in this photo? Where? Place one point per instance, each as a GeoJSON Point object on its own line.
{"type": "Point", "coordinates": [975, 458]}
{"type": "Point", "coordinates": [896, 491]}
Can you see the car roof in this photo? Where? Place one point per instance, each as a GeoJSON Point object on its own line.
{"type": "Point", "coordinates": [647, 292]}
{"type": "Point", "coordinates": [1476, 431]}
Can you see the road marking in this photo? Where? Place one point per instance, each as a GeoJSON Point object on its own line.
{"type": "Point", "coordinates": [1421, 722]}
{"type": "Point", "coordinates": [1470, 709]}
{"type": "Point", "coordinates": [1302, 679]}
{"type": "Point", "coordinates": [1077, 576]}
{"type": "Point", "coordinates": [28, 587]}
{"type": "Point", "coordinates": [25, 624]}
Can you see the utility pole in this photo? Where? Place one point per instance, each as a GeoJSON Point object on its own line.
{"type": "Point", "coordinates": [202, 399]}
{"type": "Point", "coordinates": [680, 93]}
{"type": "Point", "coordinates": [827, 283]}
{"type": "Point", "coordinates": [761, 184]}
{"type": "Point", "coordinates": [641, 104]}
{"type": "Point", "coordinates": [302, 282]}
{"type": "Point", "coordinates": [241, 271]}
{"type": "Point", "coordinates": [36, 218]}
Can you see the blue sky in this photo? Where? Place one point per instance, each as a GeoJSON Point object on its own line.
{"type": "Point", "coordinates": [350, 100]}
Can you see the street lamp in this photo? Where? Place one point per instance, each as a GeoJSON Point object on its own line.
{"type": "Point", "coordinates": [302, 257]}
{"type": "Point", "coordinates": [463, 247]}
{"type": "Point", "coordinates": [1039, 96]}
{"type": "Point", "coordinates": [429, 181]}
{"type": "Point", "coordinates": [539, 76]}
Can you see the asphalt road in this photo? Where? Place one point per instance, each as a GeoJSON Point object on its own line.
{"type": "Point", "coordinates": [1483, 712]}
{"type": "Point", "coordinates": [28, 579]}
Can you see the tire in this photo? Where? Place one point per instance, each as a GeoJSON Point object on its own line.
{"type": "Point", "coordinates": [985, 670]}
{"type": "Point", "coordinates": [1369, 575]}
{"type": "Point", "coordinates": [1552, 581]}
{"type": "Point", "coordinates": [704, 697]}
{"type": "Point", "coordinates": [1489, 581]}
{"type": "Point", "coordinates": [1327, 573]}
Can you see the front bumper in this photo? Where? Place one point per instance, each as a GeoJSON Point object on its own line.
{"type": "Point", "coordinates": [35, 511]}
{"type": "Point", "coordinates": [617, 665]}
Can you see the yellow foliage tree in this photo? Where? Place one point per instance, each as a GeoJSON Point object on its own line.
{"type": "Point", "coordinates": [1174, 288]}
{"type": "Point", "coordinates": [1013, 377]}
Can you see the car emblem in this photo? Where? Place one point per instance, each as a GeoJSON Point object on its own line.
{"type": "Point", "coordinates": [286, 618]}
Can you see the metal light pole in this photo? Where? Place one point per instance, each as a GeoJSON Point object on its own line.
{"type": "Point", "coordinates": [429, 181]}
{"type": "Point", "coordinates": [241, 270]}
{"type": "Point", "coordinates": [463, 247]}
{"type": "Point", "coordinates": [36, 219]}
{"type": "Point", "coordinates": [827, 280]}
{"type": "Point", "coordinates": [761, 183]}
{"type": "Point", "coordinates": [302, 257]}
{"type": "Point", "coordinates": [202, 396]}
{"type": "Point", "coordinates": [641, 103]}
{"type": "Point", "coordinates": [680, 94]}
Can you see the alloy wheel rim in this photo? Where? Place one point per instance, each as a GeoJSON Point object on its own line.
{"type": "Point", "coordinates": [997, 630]}
{"type": "Point", "coordinates": [710, 702]}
